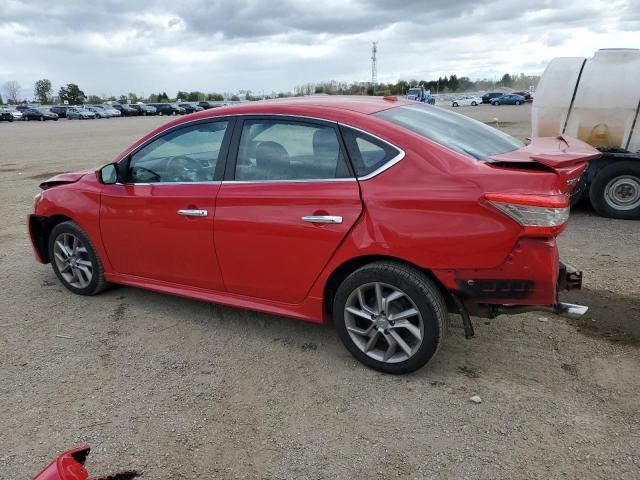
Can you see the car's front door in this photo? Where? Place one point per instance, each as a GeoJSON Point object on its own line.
{"type": "Point", "coordinates": [288, 200]}
{"type": "Point", "coordinates": [158, 222]}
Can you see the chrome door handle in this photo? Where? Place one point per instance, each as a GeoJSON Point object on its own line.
{"type": "Point", "coordinates": [322, 219]}
{"type": "Point", "coordinates": [193, 213]}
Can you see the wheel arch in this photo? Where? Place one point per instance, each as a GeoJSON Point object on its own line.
{"type": "Point", "coordinates": [346, 268]}
{"type": "Point", "coordinates": [40, 228]}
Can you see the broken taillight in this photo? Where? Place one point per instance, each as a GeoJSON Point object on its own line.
{"type": "Point", "coordinates": [539, 215]}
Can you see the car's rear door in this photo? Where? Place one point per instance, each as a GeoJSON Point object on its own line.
{"type": "Point", "coordinates": [288, 200]}
{"type": "Point", "coordinates": [158, 222]}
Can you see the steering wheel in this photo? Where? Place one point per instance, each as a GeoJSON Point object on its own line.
{"type": "Point", "coordinates": [136, 171]}
{"type": "Point", "coordinates": [183, 168]}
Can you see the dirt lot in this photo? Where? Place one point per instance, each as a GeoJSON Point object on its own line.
{"type": "Point", "coordinates": [183, 389]}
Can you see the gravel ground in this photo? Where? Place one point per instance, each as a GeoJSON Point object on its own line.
{"type": "Point", "coordinates": [183, 389]}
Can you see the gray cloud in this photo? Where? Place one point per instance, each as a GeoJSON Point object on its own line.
{"type": "Point", "coordinates": [116, 46]}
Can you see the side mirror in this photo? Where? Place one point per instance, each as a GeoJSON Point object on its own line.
{"type": "Point", "coordinates": [108, 174]}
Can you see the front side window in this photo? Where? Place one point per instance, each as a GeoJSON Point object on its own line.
{"type": "Point", "coordinates": [457, 132]}
{"type": "Point", "coordinates": [189, 154]}
{"type": "Point", "coordinates": [289, 150]}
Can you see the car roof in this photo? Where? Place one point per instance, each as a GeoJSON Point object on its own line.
{"type": "Point", "coordinates": [311, 105]}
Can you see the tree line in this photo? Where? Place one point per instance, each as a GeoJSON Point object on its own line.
{"type": "Point", "coordinates": [73, 95]}
{"type": "Point", "coordinates": [71, 92]}
{"type": "Point", "coordinates": [447, 84]}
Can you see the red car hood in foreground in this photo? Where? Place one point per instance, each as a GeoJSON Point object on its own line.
{"type": "Point", "coordinates": [70, 177]}
{"type": "Point", "coordinates": [568, 157]}
{"type": "Point", "coordinates": [68, 466]}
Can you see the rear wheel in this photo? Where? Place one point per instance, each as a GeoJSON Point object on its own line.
{"type": "Point", "coordinates": [474, 104]}
{"type": "Point", "coordinates": [495, 104]}
{"type": "Point", "coordinates": [517, 102]}
{"type": "Point", "coordinates": [615, 191]}
{"type": "Point", "coordinates": [41, 118]}
{"type": "Point", "coordinates": [390, 316]}
{"type": "Point", "coordinates": [75, 260]}
{"type": "Point", "coordinates": [454, 104]}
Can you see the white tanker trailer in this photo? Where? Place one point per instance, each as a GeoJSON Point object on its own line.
{"type": "Point", "coordinates": [598, 101]}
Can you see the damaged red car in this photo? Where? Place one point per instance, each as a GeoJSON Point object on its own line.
{"type": "Point", "coordinates": [380, 215]}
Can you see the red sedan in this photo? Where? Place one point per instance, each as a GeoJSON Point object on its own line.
{"type": "Point", "coordinates": [381, 215]}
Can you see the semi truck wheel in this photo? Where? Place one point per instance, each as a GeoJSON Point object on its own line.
{"type": "Point", "coordinates": [615, 191]}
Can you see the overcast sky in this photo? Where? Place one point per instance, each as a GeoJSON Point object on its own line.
{"type": "Point", "coordinates": [116, 46]}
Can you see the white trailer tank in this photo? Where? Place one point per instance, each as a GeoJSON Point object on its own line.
{"type": "Point", "coordinates": [598, 101]}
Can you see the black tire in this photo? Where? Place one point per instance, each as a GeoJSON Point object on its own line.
{"type": "Point", "coordinates": [421, 290]}
{"type": "Point", "coordinates": [10, 120]}
{"type": "Point", "coordinates": [98, 282]}
{"type": "Point", "coordinates": [454, 104]}
{"type": "Point", "coordinates": [474, 104]}
{"type": "Point", "coordinates": [41, 118]}
{"type": "Point", "coordinates": [495, 104]}
{"type": "Point", "coordinates": [517, 102]}
{"type": "Point", "coordinates": [602, 194]}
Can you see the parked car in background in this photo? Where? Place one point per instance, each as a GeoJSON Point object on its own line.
{"type": "Point", "coordinates": [526, 95]}
{"type": "Point", "coordinates": [5, 115]}
{"type": "Point", "coordinates": [110, 110]}
{"type": "Point", "coordinates": [125, 110]}
{"type": "Point", "coordinates": [17, 114]}
{"type": "Point", "coordinates": [79, 113]}
{"type": "Point", "coordinates": [99, 112]}
{"type": "Point", "coordinates": [144, 109]}
{"type": "Point", "coordinates": [167, 108]}
{"type": "Point", "coordinates": [326, 209]}
{"type": "Point", "coordinates": [60, 110]}
{"type": "Point", "coordinates": [510, 99]}
{"type": "Point", "coordinates": [41, 114]}
{"type": "Point", "coordinates": [190, 107]}
{"type": "Point", "coordinates": [466, 100]}
{"type": "Point", "coordinates": [206, 105]}
{"type": "Point", "coordinates": [22, 108]}
{"type": "Point", "coordinates": [489, 96]}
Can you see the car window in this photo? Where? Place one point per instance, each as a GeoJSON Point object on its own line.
{"type": "Point", "coordinates": [457, 132]}
{"type": "Point", "coordinates": [189, 154]}
{"type": "Point", "coordinates": [289, 150]}
{"type": "Point", "coordinates": [367, 153]}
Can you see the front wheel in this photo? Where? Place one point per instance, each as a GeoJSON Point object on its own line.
{"type": "Point", "coordinates": [454, 104]}
{"type": "Point", "coordinates": [517, 102]}
{"type": "Point", "coordinates": [41, 118]}
{"type": "Point", "coordinates": [75, 260]}
{"type": "Point", "coordinates": [390, 316]}
{"type": "Point", "coordinates": [474, 104]}
{"type": "Point", "coordinates": [495, 104]}
{"type": "Point", "coordinates": [615, 191]}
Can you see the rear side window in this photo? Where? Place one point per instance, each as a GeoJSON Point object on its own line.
{"type": "Point", "coordinates": [367, 153]}
{"type": "Point", "coordinates": [289, 150]}
{"type": "Point", "coordinates": [452, 130]}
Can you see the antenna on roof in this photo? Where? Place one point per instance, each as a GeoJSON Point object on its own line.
{"type": "Point", "coordinates": [374, 64]}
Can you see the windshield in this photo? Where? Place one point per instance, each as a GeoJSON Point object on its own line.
{"type": "Point", "coordinates": [457, 132]}
{"type": "Point", "coordinates": [414, 91]}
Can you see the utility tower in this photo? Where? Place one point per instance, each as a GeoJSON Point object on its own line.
{"type": "Point", "coordinates": [374, 64]}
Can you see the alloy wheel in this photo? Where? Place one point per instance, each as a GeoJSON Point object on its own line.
{"type": "Point", "coordinates": [72, 260]}
{"type": "Point", "coordinates": [383, 322]}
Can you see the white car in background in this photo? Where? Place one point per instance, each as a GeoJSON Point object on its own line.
{"type": "Point", "coordinates": [16, 114]}
{"type": "Point", "coordinates": [466, 100]}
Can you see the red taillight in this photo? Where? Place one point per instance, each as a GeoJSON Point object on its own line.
{"type": "Point", "coordinates": [539, 215]}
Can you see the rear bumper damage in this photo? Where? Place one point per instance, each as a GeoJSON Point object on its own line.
{"type": "Point", "coordinates": [568, 279]}
{"type": "Point", "coordinates": [528, 281]}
